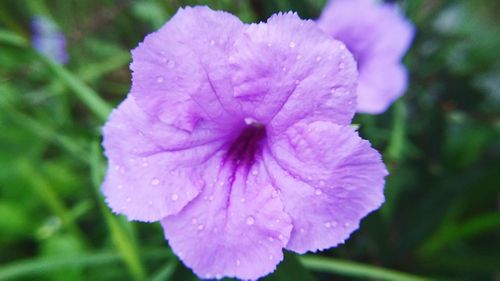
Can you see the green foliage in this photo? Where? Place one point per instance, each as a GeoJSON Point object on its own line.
{"type": "Point", "coordinates": [440, 142]}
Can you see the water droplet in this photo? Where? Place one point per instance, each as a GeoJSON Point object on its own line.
{"type": "Point", "coordinates": [292, 45]}
{"type": "Point", "coordinates": [280, 236]}
{"type": "Point", "coordinates": [302, 230]}
{"type": "Point", "coordinates": [299, 57]}
{"type": "Point", "coordinates": [255, 172]}
{"type": "Point", "coordinates": [238, 262]}
{"type": "Point", "coordinates": [201, 227]}
{"type": "Point", "coordinates": [309, 178]}
{"type": "Point", "coordinates": [328, 224]}
{"type": "Point", "coordinates": [318, 58]}
{"type": "Point", "coordinates": [155, 181]}
{"type": "Point", "coordinates": [212, 42]}
{"type": "Point", "coordinates": [341, 65]}
{"type": "Point", "coordinates": [250, 220]}
{"type": "Point", "coordinates": [194, 221]}
{"type": "Point", "coordinates": [171, 64]}
{"type": "Point", "coordinates": [271, 239]}
{"type": "Point", "coordinates": [211, 198]}
{"type": "Point", "coordinates": [120, 186]}
{"type": "Point", "coordinates": [243, 200]}
{"type": "Point", "coordinates": [150, 203]}
{"type": "Point", "coordinates": [297, 82]}
{"type": "Point", "coordinates": [342, 46]}
{"type": "Point", "coordinates": [271, 257]}
{"type": "Point", "coordinates": [269, 44]}
{"type": "Point", "coordinates": [318, 192]}
{"type": "Point", "coordinates": [347, 224]}
{"type": "Point", "coordinates": [283, 69]}
{"type": "Point", "coordinates": [117, 167]}
{"type": "Point", "coordinates": [334, 224]}
{"type": "Point", "coordinates": [174, 197]}
{"type": "Point", "coordinates": [159, 79]}
{"type": "Point", "coordinates": [321, 183]}
{"type": "Point", "coordinates": [129, 199]}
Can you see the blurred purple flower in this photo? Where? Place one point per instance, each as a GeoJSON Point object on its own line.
{"type": "Point", "coordinates": [378, 36]}
{"type": "Point", "coordinates": [237, 138]}
{"type": "Point", "coordinates": [49, 40]}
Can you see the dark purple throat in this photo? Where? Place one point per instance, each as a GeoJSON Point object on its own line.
{"type": "Point", "coordinates": [247, 147]}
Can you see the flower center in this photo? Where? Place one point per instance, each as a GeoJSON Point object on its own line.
{"type": "Point", "coordinates": [248, 145]}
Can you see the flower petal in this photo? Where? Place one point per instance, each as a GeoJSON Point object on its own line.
{"type": "Point", "coordinates": [236, 227]}
{"type": "Point", "coordinates": [368, 27]}
{"type": "Point", "coordinates": [329, 179]}
{"type": "Point", "coordinates": [287, 68]}
{"type": "Point", "coordinates": [378, 77]}
{"type": "Point", "coordinates": [180, 72]}
{"type": "Point", "coordinates": [145, 180]}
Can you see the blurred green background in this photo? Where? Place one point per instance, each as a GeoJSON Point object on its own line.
{"type": "Point", "coordinates": [441, 142]}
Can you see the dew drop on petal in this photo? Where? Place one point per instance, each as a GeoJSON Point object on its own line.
{"type": "Point", "coordinates": [299, 57]}
{"type": "Point", "coordinates": [328, 224]}
{"type": "Point", "coordinates": [238, 262]}
{"type": "Point", "coordinates": [201, 227]}
{"type": "Point", "coordinates": [341, 65]}
{"type": "Point", "coordinates": [174, 197]}
{"type": "Point", "coordinates": [129, 199]}
{"type": "Point", "coordinates": [292, 45]}
{"type": "Point", "coordinates": [159, 79]}
{"type": "Point", "coordinates": [194, 221]}
{"type": "Point", "coordinates": [318, 192]}
{"type": "Point", "coordinates": [155, 181]}
{"type": "Point", "coordinates": [212, 42]}
{"type": "Point", "coordinates": [321, 183]}
{"type": "Point", "coordinates": [318, 58]}
{"type": "Point", "coordinates": [280, 236]}
{"type": "Point", "coordinates": [347, 224]}
{"type": "Point", "coordinates": [171, 64]}
{"type": "Point", "coordinates": [255, 172]}
{"type": "Point", "coordinates": [120, 186]}
{"type": "Point", "coordinates": [334, 224]}
{"type": "Point", "coordinates": [250, 220]}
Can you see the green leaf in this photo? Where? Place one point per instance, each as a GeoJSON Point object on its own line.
{"type": "Point", "coordinates": [37, 266]}
{"type": "Point", "coordinates": [353, 269]}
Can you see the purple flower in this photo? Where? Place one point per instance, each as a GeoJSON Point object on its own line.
{"type": "Point", "coordinates": [238, 139]}
{"type": "Point", "coordinates": [48, 39]}
{"type": "Point", "coordinates": [378, 37]}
